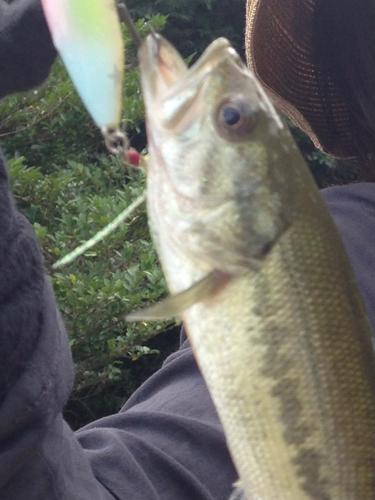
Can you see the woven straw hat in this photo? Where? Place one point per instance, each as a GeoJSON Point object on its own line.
{"type": "Point", "coordinates": [279, 49]}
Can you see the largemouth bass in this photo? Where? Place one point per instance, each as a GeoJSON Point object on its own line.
{"type": "Point", "coordinates": [260, 277]}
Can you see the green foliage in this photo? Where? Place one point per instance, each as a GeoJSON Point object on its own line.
{"type": "Point", "coordinates": [193, 24]}
{"type": "Point", "coordinates": [45, 122]}
{"type": "Point", "coordinates": [95, 292]}
{"type": "Point", "coordinates": [327, 171]}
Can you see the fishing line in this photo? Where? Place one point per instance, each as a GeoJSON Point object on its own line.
{"type": "Point", "coordinates": [125, 17]}
{"type": "Point", "coordinates": [100, 235]}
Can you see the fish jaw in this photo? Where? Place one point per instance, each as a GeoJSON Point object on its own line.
{"type": "Point", "coordinates": [201, 177]}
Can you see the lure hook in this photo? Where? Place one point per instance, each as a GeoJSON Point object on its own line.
{"type": "Point", "coordinates": [115, 140]}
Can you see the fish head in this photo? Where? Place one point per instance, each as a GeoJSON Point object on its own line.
{"type": "Point", "coordinates": [217, 181]}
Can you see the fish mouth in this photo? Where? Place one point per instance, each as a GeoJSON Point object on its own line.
{"type": "Point", "coordinates": [161, 66]}
{"type": "Point", "coordinates": [165, 75]}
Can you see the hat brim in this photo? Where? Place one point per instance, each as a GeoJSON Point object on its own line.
{"type": "Point", "coordinates": [279, 49]}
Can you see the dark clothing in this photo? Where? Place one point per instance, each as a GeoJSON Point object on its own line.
{"type": "Point", "coordinates": [166, 443]}
{"type": "Point", "coordinates": [26, 50]}
{"type": "Point", "coordinates": [353, 210]}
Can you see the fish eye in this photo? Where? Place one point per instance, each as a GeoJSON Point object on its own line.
{"type": "Point", "coordinates": [235, 119]}
{"type": "Point", "coordinates": [231, 115]}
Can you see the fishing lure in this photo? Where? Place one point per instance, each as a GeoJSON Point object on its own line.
{"type": "Point", "coordinates": [87, 34]}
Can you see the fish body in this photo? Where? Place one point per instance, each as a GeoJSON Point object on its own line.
{"type": "Point", "coordinates": [280, 331]}
{"type": "Point", "coordinates": [88, 36]}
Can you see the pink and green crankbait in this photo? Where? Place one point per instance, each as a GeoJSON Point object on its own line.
{"type": "Point", "coordinates": [88, 37]}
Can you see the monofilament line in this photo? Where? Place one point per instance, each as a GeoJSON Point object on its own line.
{"type": "Point", "coordinates": [100, 235]}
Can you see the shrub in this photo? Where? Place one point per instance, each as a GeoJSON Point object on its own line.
{"type": "Point", "coordinates": [121, 274]}
{"type": "Point", "coordinates": [200, 21]}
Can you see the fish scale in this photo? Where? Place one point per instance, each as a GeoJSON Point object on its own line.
{"type": "Point", "coordinates": [260, 277]}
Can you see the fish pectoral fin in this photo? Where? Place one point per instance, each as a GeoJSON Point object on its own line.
{"type": "Point", "coordinates": [175, 305]}
{"type": "Point", "coordinates": [237, 494]}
